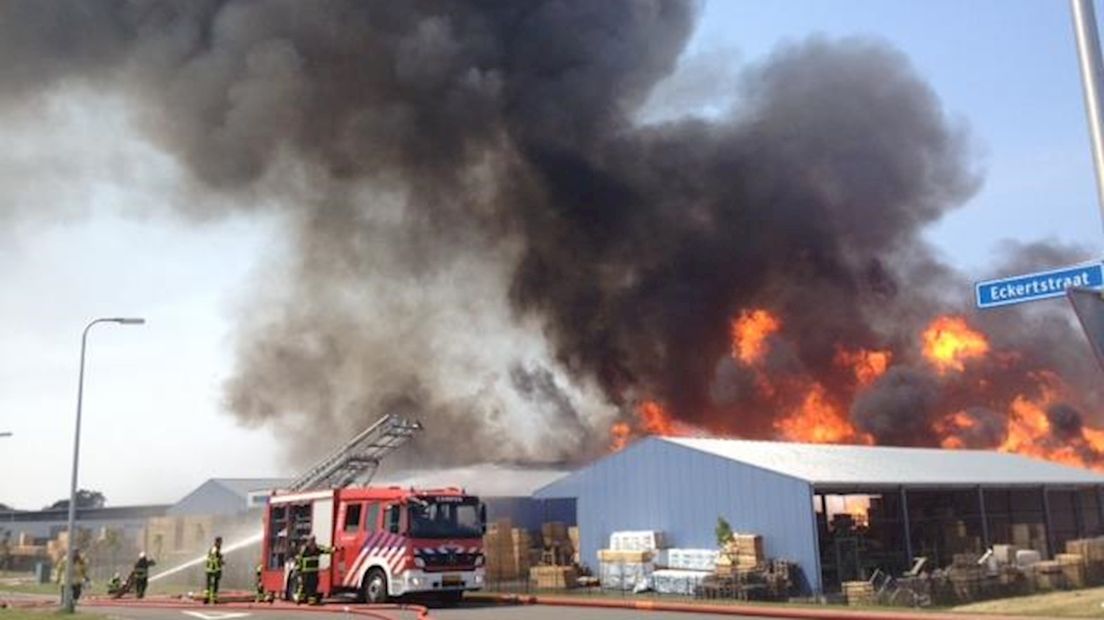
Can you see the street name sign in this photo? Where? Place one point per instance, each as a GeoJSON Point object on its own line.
{"type": "Point", "coordinates": [1040, 285]}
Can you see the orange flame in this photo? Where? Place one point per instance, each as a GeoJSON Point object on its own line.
{"type": "Point", "coordinates": [950, 427]}
{"type": "Point", "coordinates": [651, 418]}
{"type": "Point", "coordinates": [1027, 424]}
{"type": "Point", "coordinates": [1094, 438]}
{"type": "Point", "coordinates": [619, 436]}
{"type": "Point", "coordinates": [816, 420]}
{"type": "Point", "coordinates": [859, 509]}
{"type": "Point", "coordinates": [655, 419]}
{"type": "Point", "coordinates": [867, 365]}
{"type": "Point", "coordinates": [749, 333]}
{"type": "Point", "coordinates": [948, 341]}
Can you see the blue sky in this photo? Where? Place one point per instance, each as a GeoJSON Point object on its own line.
{"type": "Point", "coordinates": [1008, 68]}
{"type": "Point", "coordinates": [103, 246]}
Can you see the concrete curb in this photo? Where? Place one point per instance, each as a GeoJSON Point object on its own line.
{"type": "Point", "coordinates": [825, 613]}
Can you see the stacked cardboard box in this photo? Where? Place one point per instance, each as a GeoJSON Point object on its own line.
{"type": "Point", "coordinates": [745, 551]}
{"type": "Point", "coordinates": [1005, 554]}
{"type": "Point", "coordinates": [1021, 534]}
{"type": "Point", "coordinates": [507, 549]}
{"type": "Point", "coordinates": [630, 560]}
{"type": "Point", "coordinates": [858, 592]}
{"type": "Point", "coordinates": [573, 536]}
{"type": "Point", "coordinates": [1073, 567]}
{"type": "Point", "coordinates": [553, 577]}
{"type": "Point", "coordinates": [556, 544]}
{"type": "Point", "coordinates": [966, 575]}
{"type": "Point", "coordinates": [554, 532]}
{"type": "Point", "coordinates": [613, 556]}
{"type": "Point", "coordinates": [1091, 551]}
{"type": "Point", "coordinates": [1048, 575]}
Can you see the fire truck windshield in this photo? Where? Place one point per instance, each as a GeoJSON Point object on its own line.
{"type": "Point", "coordinates": [445, 518]}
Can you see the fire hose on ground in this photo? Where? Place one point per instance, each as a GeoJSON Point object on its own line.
{"type": "Point", "coordinates": [421, 612]}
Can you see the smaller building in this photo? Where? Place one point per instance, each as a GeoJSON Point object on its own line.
{"type": "Point", "coordinates": [836, 511]}
{"type": "Point", "coordinates": [227, 496]}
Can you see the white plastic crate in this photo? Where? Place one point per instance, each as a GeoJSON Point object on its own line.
{"type": "Point", "coordinates": [625, 575]}
{"type": "Point", "coordinates": [692, 559]}
{"type": "Point", "coordinates": [641, 540]}
{"type": "Point", "coordinates": [672, 581]}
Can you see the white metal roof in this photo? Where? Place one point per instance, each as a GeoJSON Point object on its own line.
{"type": "Point", "coordinates": [487, 479]}
{"type": "Point", "coordinates": [244, 486]}
{"type": "Point", "coordinates": [837, 465]}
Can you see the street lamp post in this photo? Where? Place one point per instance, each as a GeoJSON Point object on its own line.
{"type": "Point", "coordinates": [68, 603]}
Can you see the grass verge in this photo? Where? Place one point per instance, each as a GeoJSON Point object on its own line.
{"type": "Point", "coordinates": [1072, 604]}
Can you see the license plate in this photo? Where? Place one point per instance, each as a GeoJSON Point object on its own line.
{"type": "Point", "coordinates": [452, 580]}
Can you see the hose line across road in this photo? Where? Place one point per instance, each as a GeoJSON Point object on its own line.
{"type": "Point", "coordinates": [496, 607]}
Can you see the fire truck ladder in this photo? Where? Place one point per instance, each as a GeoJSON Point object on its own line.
{"type": "Point", "coordinates": [358, 460]}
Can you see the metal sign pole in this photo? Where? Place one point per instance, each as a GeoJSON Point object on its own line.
{"type": "Point", "coordinates": [1088, 55]}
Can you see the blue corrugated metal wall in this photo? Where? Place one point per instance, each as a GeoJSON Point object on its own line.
{"type": "Point", "coordinates": [530, 513]}
{"type": "Point", "coordinates": [658, 485]}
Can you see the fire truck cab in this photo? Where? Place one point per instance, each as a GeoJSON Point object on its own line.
{"type": "Point", "coordinates": [387, 541]}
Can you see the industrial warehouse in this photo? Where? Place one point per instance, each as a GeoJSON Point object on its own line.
{"type": "Point", "coordinates": [839, 513]}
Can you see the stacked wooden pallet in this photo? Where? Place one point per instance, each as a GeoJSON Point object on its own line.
{"type": "Point", "coordinates": [556, 544]}
{"type": "Point", "coordinates": [553, 577]}
{"type": "Point", "coordinates": [1073, 567]}
{"type": "Point", "coordinates": [742, 554]}
{"type": "Point", "coordinates": [1091, 551]}
{"type": "Point", "coordinates": [966, 576]}
{"type": "Point", "coordinates": [858, 592]}
{"type": "Point", "coordinates": [507, 551]}
{"type": "Point", "coordinates": [573, 536]}
{"type": "Point", "coordinates": [1048, 575]}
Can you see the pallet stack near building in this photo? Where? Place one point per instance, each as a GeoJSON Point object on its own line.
{"type": "Point", "coordinates": [742, 554]}
{"type": "Point", "coordinates": [858, 592]}
{"type": "Point", "coordinates": [553, 577]}
{"type": "Point", "coordinates": [1073, 568]}
{"type": "Point", "coordinates": [629, 562]}
{"type": "Point", "coordinates": [1048, 575]}
{"type": "Point", "coordinates": [507, 551]}
{"type": "Point", "coordinates": [556, 569]}
{"type": "Point", "coordinates": [1091, 552]}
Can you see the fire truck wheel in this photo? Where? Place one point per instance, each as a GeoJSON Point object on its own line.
{"type": "Point", "coordinates": [375, 587]}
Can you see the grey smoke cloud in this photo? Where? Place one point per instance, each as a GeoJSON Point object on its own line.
{"type": "Point", "coordinates": [486, 236]}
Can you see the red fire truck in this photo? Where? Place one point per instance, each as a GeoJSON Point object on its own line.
{"type": "Point", "coordinates": [388, 541]}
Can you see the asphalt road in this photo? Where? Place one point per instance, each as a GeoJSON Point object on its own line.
{"type": "Point", "coordinates": [495, 612]}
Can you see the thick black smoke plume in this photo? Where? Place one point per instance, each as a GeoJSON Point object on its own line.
{"type": "Point", "coordinates": [487, 236]}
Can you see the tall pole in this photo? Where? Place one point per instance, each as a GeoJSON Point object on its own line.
{"type": "Point", "coordinates": [68, 603]}
{"type": "Point", "coordinates": [1088, 55]}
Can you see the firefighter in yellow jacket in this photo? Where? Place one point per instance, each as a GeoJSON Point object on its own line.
{"type": "Point", "coordinates": [80, 574]}
{"type": "Point", "coordinates": [258, 584]}
{"type": "Point", "coordinates": [213, 569]}
{"type": "Point", "coordinates": [307, 564]}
